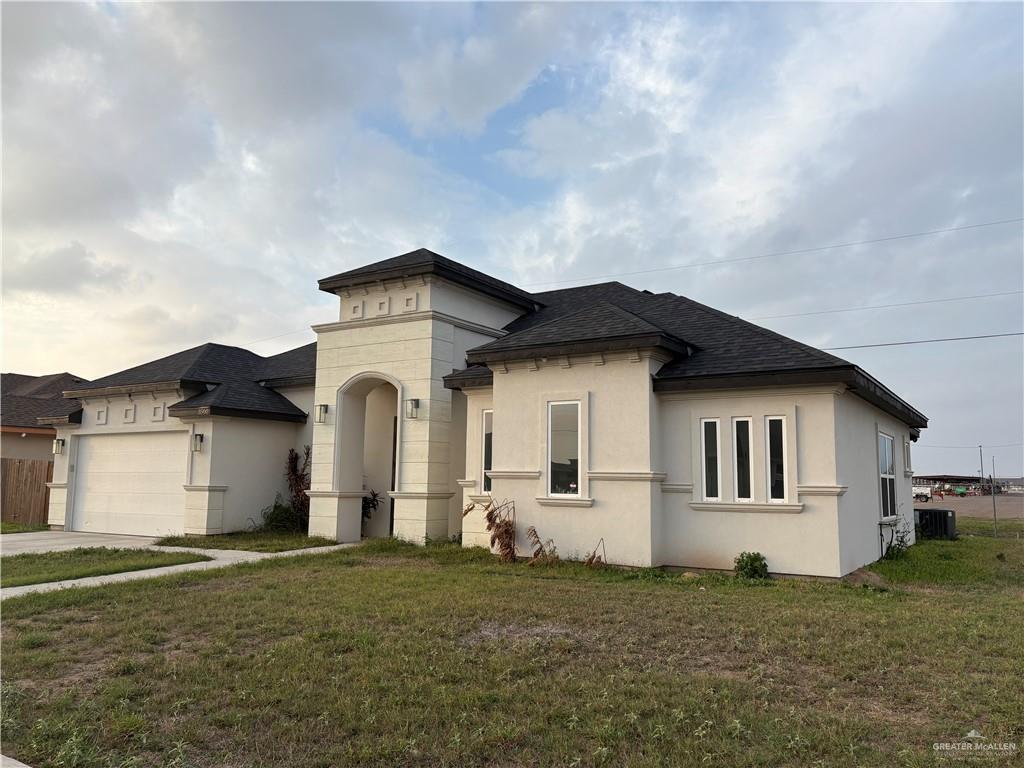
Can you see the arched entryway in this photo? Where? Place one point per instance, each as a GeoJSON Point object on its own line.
{"type": "Point", "coordinates": [366, 447]}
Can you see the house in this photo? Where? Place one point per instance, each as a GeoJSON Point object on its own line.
{"type": "Point", "coordinates": [23, 399]}
{"type": "Point", "coordinates": [665, 430]}
{"type": "Point", "coordinates": [195, 442]}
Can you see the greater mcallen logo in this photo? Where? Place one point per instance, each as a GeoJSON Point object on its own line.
{"type": "Point", "coordinates": [975, 745]}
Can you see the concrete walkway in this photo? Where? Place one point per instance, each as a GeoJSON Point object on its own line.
{"type": "Point", "coordinates": [58, 541]}
{"type": "Point", "coordinates": [220, 558]}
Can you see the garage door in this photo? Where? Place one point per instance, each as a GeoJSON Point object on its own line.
{"type": "Point", "coordinates": [131, 483]}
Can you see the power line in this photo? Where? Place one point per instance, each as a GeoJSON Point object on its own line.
{"type": "Point", "coordinates": [782, 253]}
{"type": "Point", "coordinates": [889, 306]}
{"type": "Point", "coordinates": [923, 341]}
{"type": "Point", "coordinates": [972, 447]}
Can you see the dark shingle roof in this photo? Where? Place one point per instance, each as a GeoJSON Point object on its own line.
{"type": "Point", "coordinates": [602, 326]}
{"type": "Point", "coordinates": [711, 348]}
{"type": "Point", "coordinates": [296, 366]}
{"type": "Point", "coordinates": [227, 377]}
{"type": "Point", "coordinates": [425, 262]}
{"type": "Point", "coordinates": [23, 398]}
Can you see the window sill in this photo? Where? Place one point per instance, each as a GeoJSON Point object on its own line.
{"type": "Point", "coordinates": [719, 506]}
{"type": "Point", "coordinates": [566, 501]}
{"type": "Point", "coordinates": [893, 520]}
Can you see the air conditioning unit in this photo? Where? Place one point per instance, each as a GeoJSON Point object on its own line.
{"type": "Point", "coordinates": [935, 523]}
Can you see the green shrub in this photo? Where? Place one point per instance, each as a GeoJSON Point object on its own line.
{"type": "Point", "coordinates": [281, 516]}
{"type": "Point", "coordinates": [751, 565]}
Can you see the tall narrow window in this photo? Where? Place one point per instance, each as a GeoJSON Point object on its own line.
{"type": "Point", "coordinates": [907, 464]}
{"type": "Point", "coordinates": [775, 452]}
{"type": "Point", "coordinates": [711, 468]}
{"type": "Point", "coordinates": [485, 450]}
{"type": "Point", "coordinates": [887, 474]}
{"type": "Point", "coordinates": [742, 459]}
{"type": "Point", "coordinates": [564, 449]}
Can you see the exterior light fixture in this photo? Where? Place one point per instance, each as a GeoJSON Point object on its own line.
{"type": "Point", "coordinates": [320, 416]}
{"type": "Point", "coordinates": [58, 446]}
{"type": "Point", "coordinates": [412, 408]}
{"type": "Point", "coordinates": [197, 442]}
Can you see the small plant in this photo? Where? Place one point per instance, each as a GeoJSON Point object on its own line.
{"type": "Point", "coordinates": [594, 560]}
{"type": "Point", "coordinates": [370, 504]}
{"type": "Point", "coordinates": [280, 516]}
{"type": "Point", "coordinates": [751, 565]}
{"type": "Point", "coordinates": [544, 552]}
{"type": "Point", "coordinates": [501, 524]}
{"type": "Point", "coordinates": [898, 544]}
{"type": "Point", "coordinates": [297, 475]}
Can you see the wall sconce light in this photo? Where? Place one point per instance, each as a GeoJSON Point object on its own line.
{"type": "Point", "coordinates": [320, 416]}
{"type": "Point", "coordinates": [412, 408]}
{"type": "Point", "coordinates": [197, 442]}
{"type": "Point", "coordinates": [58, 446]}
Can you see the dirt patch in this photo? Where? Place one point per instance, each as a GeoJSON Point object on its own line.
{"type": "Point", "coordinates": [866, 578]}
{"type": "Point", "coordinates": [493, 631]}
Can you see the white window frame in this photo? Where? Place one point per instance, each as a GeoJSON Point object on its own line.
{"type": "Point", "coordinates": [718, 459]}
{"type": "Point", "coordinates": [483, 438]}
{"type": "Point", "coordinates": [579, 450]}
{"type": "Point", "coordinates": [768, 461]}
{"type": "Point", "coordinates": [736, 460]}
{"type": "Point", "coordinates": [907, 463]}
{"type": "Point", "coordinates": [894, 512]}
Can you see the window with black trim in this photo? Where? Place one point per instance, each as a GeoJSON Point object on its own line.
{"type": "Point", "coordinates": [711, 467]}
{"type": "Point", "coordinates": [564, 448]}
{"type": "Point", "coordinates": [743, 466]}
{"type": "Point", "coordinates": [485, 450]}
{"type": "Point", "coordinates": [775, 454]}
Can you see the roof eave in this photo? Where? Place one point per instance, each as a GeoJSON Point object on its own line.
{"type": "Point", "coordinates": [132, 389]}
{"type": "Point", "coordinates": [337, 282]}
{"type": "Point", "coordinates": [289, 381]}
{"type": "Point", "coordinates": [483, 379]}
{"type": "Point", "coordinates": [482, 355]}
{"type": "Point", "coordinates": [859, 382]}
{"type": "Point", "coordinates": [205, 411]}
{"type": "Point", "coordinates": [73, 418]}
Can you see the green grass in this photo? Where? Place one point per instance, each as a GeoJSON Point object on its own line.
{"type": "Point", "coordinates": [975, 558]}
{"type": "Point", "coordinates": [10, 527]}
{"type": "Point", "coordinates": [39, 568]}
{"type": "Point", "coordinates": [250, 541]}
{"type": "Point", "coordinates": [391, 655]}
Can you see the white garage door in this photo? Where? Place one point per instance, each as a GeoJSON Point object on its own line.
{"type": "Point", "coordinates": [131, 483]}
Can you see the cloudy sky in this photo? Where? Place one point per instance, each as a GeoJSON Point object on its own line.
{"type": "Point", "coordinates": [175, 174]}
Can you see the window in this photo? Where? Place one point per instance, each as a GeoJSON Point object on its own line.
{"type": "Point", "coordinates": [742, 459]}
{"type": "Point", "coordinates": [485, 449]}
{"type": "Point", "coordinates": [564, 449]}
{"type": "Point", "coordinates": [775, 453]}
{"type": "Point", "coordinates": [711, 470]}
{"type": "Point", "coordinates": [907, 465]}
{"type": "Point", "coordinates": [887, 474]}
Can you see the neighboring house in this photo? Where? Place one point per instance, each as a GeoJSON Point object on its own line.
{"type": "Point", "coordinates": [673, 433]}
{"type": "Point", "coordinates": [196, 442]}
{"type": "Point", "coordinates": [23, 399]}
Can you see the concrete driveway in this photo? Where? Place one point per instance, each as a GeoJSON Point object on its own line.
{"type": "Point", "coordinates": [56, 541]}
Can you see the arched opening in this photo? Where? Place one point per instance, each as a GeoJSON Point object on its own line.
{"type": "Point", "coordinates": [369, 434]}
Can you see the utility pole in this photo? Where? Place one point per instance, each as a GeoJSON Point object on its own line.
{"type": "Point", "coordinates": [995, 527]}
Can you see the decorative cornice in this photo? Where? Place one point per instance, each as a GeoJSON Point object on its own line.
{"type": "Point", "coordinates": [56, 486]}
{"type": "Point", "coordinates": [554, 501]}
{"type": "Point", "coordinates": [426, 314]}
{"type": "Point", "coordinates": [336, 494]}
{"type": "Point", "coordinates": [213, 488]}
{"type": "Point", "coordinates": [643, 477]}
{"type": "Point", "coordinates": [513, 474]}
{"type": "Point", "coordinates": [719, 506]}
{"type": "Point", "coordinates": [677, 487]}
{"type": "Point", "coordinates": [468, 483]}
{"type": "Point", "coordinates": [821, 490]}
{"type": "Point", "coordinates": [420, 494]}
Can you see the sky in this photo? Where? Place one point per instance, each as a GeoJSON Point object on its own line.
{"type": "Point", "coordinates": [181, 173]}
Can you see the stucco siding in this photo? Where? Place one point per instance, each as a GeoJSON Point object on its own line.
{"type": "Point", "coordinates": [857, 427]}
{"type": "Point", "coordinates": [248, 460]}
{"type": "Point", "coordinates": [798, 535]}
{"type": "Point", "coordinates": [14, 446]}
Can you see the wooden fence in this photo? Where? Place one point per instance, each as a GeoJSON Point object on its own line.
{"type": "Point", "coordinates": [24, 497]}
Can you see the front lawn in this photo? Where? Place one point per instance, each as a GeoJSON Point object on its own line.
{"type": "Point", "coordinates": [39, 568]}
{"type": "Point", "coordinates": [250, 541]}
{"type": "Point", "coordinates": [391, 655]}
{"type": "Point", "coordinates": [11, 527]}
